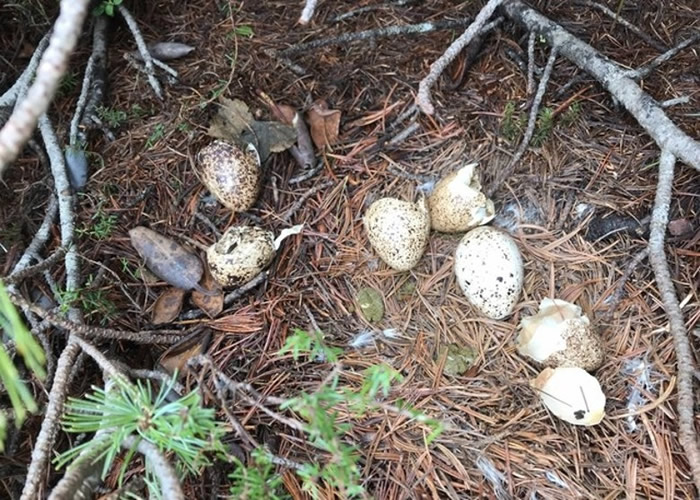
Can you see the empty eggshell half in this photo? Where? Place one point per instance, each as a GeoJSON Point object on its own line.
{"type": "Point", "coordinates": [572, 394]}
{"type": "Point", "coordinates": [489, 270]}
{"type": "Point", "coordinates": [560, 335]}
{"type": "Point", "coordinates": [398, 231]}
{"type": "Point", "coordinates": [240, 254]}
{"type": "Point", "coordinates": [457, 203]}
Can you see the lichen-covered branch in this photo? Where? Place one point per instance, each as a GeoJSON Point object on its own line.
{"type": "Point", "coordinates": [684, 354]}
{"type": "Point", "coordinates": [52, 67]}
{"type": "Point", "coordinates": [617, 81]}
{"type": "Point", "coordinates": [167, 477]}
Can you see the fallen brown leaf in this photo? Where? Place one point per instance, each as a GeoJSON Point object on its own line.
{"type": "Point", "coordinates": [212, 305]}
{"type": "Point", "coordinates": [324, 123]}
{"type": "Point", "coordinates": [175, 358]}
{"type": "Point", "coordinates": [167, 306]}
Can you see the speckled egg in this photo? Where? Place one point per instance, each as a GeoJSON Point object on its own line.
{"type": "Point", "coordinates": [240, 254]}
{"type": "Point", "coordinates": [489, 270]}
{"type": "Point", "coordinates": [457, 203]}
{"type": "Point", "coordinates": [398, 231]}
{"type": "Point", "coordinates": [560, 335]}
{"type": "Point", "coordinates": [231, 175]}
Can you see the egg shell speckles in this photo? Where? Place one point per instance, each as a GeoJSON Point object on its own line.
{"type": "Point", "coordinates": [560, 335]}
{"type": "Point", "coordinates": [457, 203]}
{"type": "Point", "coordinates": [231, 175]}
{"type": "Point", "coordinates": [240, 254]}
{"type": "Point", "coordinates": [489, 270]}
{"type": "Point", "coordinates": [398, 231]}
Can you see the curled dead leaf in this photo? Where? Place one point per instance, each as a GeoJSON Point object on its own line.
{"type": "Point", "coordinates": [211, 305]}
{"type": "Point", "coordinates": [175, 358]}
{"type": "Point", "coordinates": [324, 123]}
{"type": "Point", "coordinates": [168, 306]}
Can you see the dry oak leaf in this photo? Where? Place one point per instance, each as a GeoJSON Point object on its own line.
{"type": "Point", "coordinates": [324, 123]}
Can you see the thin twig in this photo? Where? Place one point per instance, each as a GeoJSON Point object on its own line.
{"type": "Point", "coordinates": [308, 174]}
{"type": "Point", "coordinates": [624, 22]}
{"type": "Point", "coordinates": [614, 79]}
{"type": "Point", "coordinates": [308, 12]}
{"type": "Point", "coordinates": [684, 354]}
{"type": "Point", "coordinates": [167, 477]}
{"type": "Point", "coordinates": [423, 98]}
{"type": "Point", "coordinates": [302, 199]}
{"type": "Point", "coordinates": [385, 32]}
{"type": "Point", "coordinates": [25, 273]}
{"type": "Point", "coordinates": [644, 71]}
{"type": "Point", "coordinates": [52, 67]}
{"type": "Point", "coordinates": [43, 445]}
{"type": "Point", "coordinates": [531, 63]}
{"type": "Point", "coordinates": [684, 99]}
{"type": "Point", "coordinates": [9, 98]}
{"type": "Point", "coordinates": [94, 332]}
{"type": "Point", "coordinates": [532, 121]}
{"type": "Point", "coordinates": [143, 50]}
{"type": "Point", "coordinates": [619, 292]}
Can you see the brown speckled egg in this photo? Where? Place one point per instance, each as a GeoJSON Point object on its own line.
{"type": "Point", "coordinates": [231, 175]}
{"type": "Point", "coordinates": [398, 231]}
{"type": "Point", "coordinates": [457, 203]}
{"type": "Point", "coordinates": [240, 254]}
{"type": "Point", "coordinates": [560, 335]}
{"type": "Point", "coordinates": [489, 270]}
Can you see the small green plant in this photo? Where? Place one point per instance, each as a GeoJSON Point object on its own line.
{"type": "Point", "coordinates": [157, 134]}
{"type": "Point", "coordinates": [184, 127]}
{"type": "Point", "coordinates": [543, 126]}
{"type": "Point", "coordinates": [133, 273]}
{"type": "Point", "coordinates": [68, 83]}
{"type": "Point", "coordinates": [106, 7]}
{"type": "Point", "coordinates": [100, 226]}
{"type": "Point", "coordinates": [320, 411]}
{"type": "Point", "coordinates": [33, 356]}
{"type": "Point", "coordinates": [244, 31]}
{"type": "Point", "coordinates": [572, 114]}
{"type": "Point", "coordinates": [511, 123]}
{"type": "Point", "coordinates": [256, 481]}
{"type": "Point", "coordinates": [183, 428]}
{"type": "Point", "coordinates": [93, 302]}
{"type": "Point", "coordinates": [113, 118]}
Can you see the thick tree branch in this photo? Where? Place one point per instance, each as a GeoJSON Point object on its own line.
{"type": "Point", "coordinates": [53, 64]}
{"type": "Point", "coordinates": [642, 106]}
{"type": "Point", "coordinates": [684, 354]}
{"type": "Point", "coordinates": [167, 477]}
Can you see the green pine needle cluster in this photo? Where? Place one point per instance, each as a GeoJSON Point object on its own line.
{"type": "Point", "coordinates": [183, 428]}
{"type": "Point", "coordinates": [33, 356]}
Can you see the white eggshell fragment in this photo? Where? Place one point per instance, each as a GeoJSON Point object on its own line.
{"type": "Point", "coordinates": [560, 335]}
{"type": "Point", "coordinates": [230, 174]}
{"type": "Point", "coordinates": [457, 203]}
{"type": "Point", "coordinates": [572, 394]}
{"type": "Point", "coordinates": [489, 270]}
{"type": "Point", "coordinates": [398, 231]}
{"type": "Point", "coordinates": [240, 254]}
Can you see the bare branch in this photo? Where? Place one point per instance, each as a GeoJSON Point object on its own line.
{"type": "Point", "coordinates": [617, 81]}
{"type": "Point", "coordinates": [684, 354]}
{"type": "Point", "coordinates": [308, 12]}
{"type": "Point", "coordinates": [143, 50]}
{"type": "Point", "coordinates": [49, 426]}
{"type": "Point", "coordinates": [50, 70]}
{"type": "Point", "coordinates": [167, 477]}
{"type": "Point", "coordinates": [423, 98]}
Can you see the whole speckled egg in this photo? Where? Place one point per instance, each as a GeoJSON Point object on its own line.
{"type": "Point", "coordinates": [398, 231]}
{"type": "Point", "coordinates": [560, 335]}
{"type": "Point", "coordinates": [457, 203]}
{"type": "Point", "coordinates": [230, 174]}
{"type": "Point", "coordinates": [489, 270]}
{"type": "Point", "coordinates": [240, 254]}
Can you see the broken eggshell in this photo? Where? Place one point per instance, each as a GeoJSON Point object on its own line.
{"type": "Point", "coordinates": [489, 270]}
{"type": "Point", "coordinates": [457, 203]}
{"type": "Point", "coordinates": [243, 252]}
{"type": "Point", "coordinates": [560, 335]}
{"type": "Point", "coordinates": [572, 394]}
{"type": "Point", "coordinates": [230, 174]}
{"type": "Point", "coordinates": [398, 231]}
